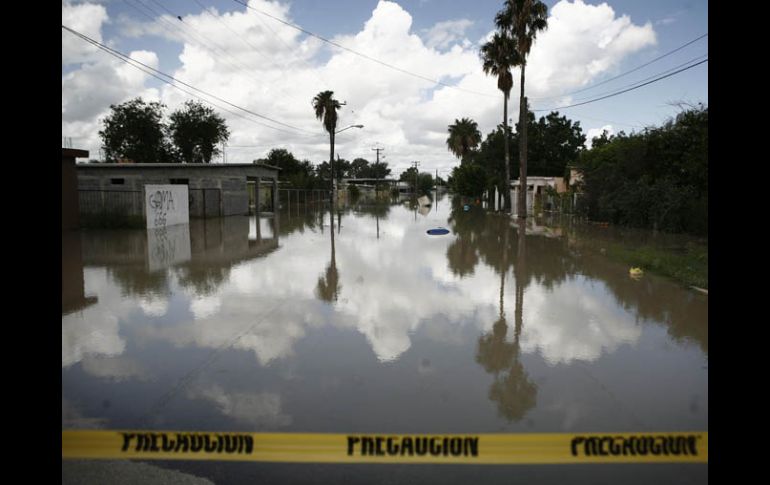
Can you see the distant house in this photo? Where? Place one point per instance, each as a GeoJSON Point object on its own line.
{"type": "Point", "coordinates": [116, 190]}
{"type": "Point", "coordinates": [536, 190]}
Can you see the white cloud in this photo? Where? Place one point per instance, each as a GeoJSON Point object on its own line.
{"type": "Point", "coordinates": [443, 34]}
{"type": "Point", "coordinates": [582, 42]}
{"type": "Point", "coordinates": [86, 19]}
{"type": "Point", "coordinates": [594, 132]}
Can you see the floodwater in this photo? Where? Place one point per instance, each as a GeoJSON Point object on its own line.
{"type": "Point", "coordinates": [362, 322]}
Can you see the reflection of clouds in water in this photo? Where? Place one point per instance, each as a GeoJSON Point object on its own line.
{"type": "Point", "coordinates": [389, 288]}
{"type": "Point", "coordinates": [154, 307]}
{"type": "Point", "coordinates": [115, 368]}
{"type": "Point", "coordinates": [269, 334]}
{"type": "Point", "coordinates": [261, 409]}
{"type": "Point", "coordinates": [95, 330]}
{"type": "Point", "coordinates": [205, 306]}
{"type": "Point", "coordinates": [386, 293]}
{"type": "Point", "coordinates": [575, 322]}
{"type": "Point", "coordinates": [93, 334]}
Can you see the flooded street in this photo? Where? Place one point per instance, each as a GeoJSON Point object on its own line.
{"type": "Point", "coordinates": [362, 322]}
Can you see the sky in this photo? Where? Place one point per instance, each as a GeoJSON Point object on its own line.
{"type": "Point", "coordinates": [238, 57]}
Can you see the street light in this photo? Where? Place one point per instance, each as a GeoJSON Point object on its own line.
{"type": "Point", "coordinates": [351, 126]}
{"type": "Point", "coordinates": [331, 165]}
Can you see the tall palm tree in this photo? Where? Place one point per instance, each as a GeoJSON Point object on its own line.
{"type": "Point", "coordinates": [464, 136]}
{"type": "Point", "coordinates": [498, 56]}
{"type": "Point", "coordinates": [522, 19]}
{"type": "Point", "coordinates": [326, 107]}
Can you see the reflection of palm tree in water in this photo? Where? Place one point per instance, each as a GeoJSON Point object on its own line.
{"type": "Point", "coordinates": [328, 288]}
{"type": "Point", "coordinates": [514, 393]}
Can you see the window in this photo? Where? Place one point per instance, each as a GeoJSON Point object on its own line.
{"type": "Point", "coordinates": [179, 181]}
{"type": "Point", "coordinates": [118, 181]}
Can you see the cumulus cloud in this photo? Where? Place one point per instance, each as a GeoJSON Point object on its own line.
{"type": "Point", "coordinates": [443, 34]}
{"type": "Point", "coordinates": [582, 42]}
{"type": "Point", "coordinates": [594, 132]}
{"type": "Point", "coordinates": [87, 19]}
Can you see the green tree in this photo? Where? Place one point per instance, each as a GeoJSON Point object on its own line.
{"type": "Point", "coordinates": [654, 179]}
{"type": "Point", "coordinates": [135, 130]}
{"type": "Point", "coordinates": [358, 167]}
{"type": "Point", "coordinates": [522, 19]}
{"type": "Point", "coordinates": [196, 131]}
{"type": "Point", "coordinates": [498, 56]}
{"type": "Point", "coordinates": [326, 107]}
{"type": "Point", "coordinates": [469, 179]}
{"type": "Point", "coordinates": [554, 142]}
{"type": "Point", "coordinates": [464, 136]}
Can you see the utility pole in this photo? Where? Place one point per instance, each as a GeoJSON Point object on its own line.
{"type": "Point", "coordinates": [376, 174]}
{"type": "Point", "coordinates": [416, 172]}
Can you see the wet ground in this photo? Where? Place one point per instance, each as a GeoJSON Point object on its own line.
{"type": "Point", "coordinates": [362, 322]}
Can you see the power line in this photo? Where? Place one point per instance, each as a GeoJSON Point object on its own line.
{"type": "Point", "coordinates": [201, 40]}
{"type": "Point", "coordinates": [123, 57]}
{"type": "Point", "coordinates": [360, 54]}
{"type": "Point", "coordinates": [702, 56]}
{"type": "Point", "coordinates": [249, 44]}
{"type": "Point", "coordinates": [625, 90]}
{"type": "Point", "coordinates": [627, 72]}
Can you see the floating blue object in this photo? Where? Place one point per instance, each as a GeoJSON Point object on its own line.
{"type": "Point", "coordinates": [438, 232]}
{"type": "Point", "coordinates": [466, 207]}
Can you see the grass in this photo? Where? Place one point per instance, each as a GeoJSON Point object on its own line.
{"type": "Point", "coordinates": [688, 264]}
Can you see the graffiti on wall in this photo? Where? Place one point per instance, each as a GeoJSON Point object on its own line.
{"type": "Point", "coordinates": [166, 205]}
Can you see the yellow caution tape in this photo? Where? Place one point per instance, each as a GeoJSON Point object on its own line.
{"type": "Point", "coordinates": [526, 448]}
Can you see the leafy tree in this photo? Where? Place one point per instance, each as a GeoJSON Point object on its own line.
{"type": "Point", "coordinates": [522, 19]}
{"type": "Point", "coordinates": [464, 136]}
{"type": "Point", "coordinates": [601, 140]}
{"type": "Point", "coordinates": [135, 130]}
{"type": "Point", "coordinates": [498, 56]}
{"type": "Point", "coordinates": [358, 167]}
{"type": "Point", "coordinates": [378, 170]}
{"type": "Point", "coordinates": [469, 179]}
{"type": "Point", "coordinates": [655, 179]}
{"type": "Point", "coordinates": [554, 142]}
{"type": "Point", "coordinates": [196, 131]}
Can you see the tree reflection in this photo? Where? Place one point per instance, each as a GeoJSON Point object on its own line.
{"type": "Point", "coordinates": [202, 280]}
{"type": "Point", "coordinates": [328, 287]}
{"type": "Point", "coordinates": [136, 281]}
{"type": "Point", "coordinates": [512, 390]}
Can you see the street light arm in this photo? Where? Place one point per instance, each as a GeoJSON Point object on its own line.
{"type": "Point", "coordinates": [348, 127]}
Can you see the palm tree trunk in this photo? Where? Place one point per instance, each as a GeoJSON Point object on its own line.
{"type": "Point", "coordinates": [331, 168]}
{"type": "Point", "coordinates": [522, 203]}
{"type": "Point", "coordinates": [507, 190]}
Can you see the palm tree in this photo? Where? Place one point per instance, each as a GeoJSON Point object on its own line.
{"type": "Point", "coordinates": [498, 56]}
{"type": "Point", "coordinates": [522, 19]}
{"type": "Point", "coordinates": [464, 136]}
{"type": "Point", "coordinates": [326, 107]}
